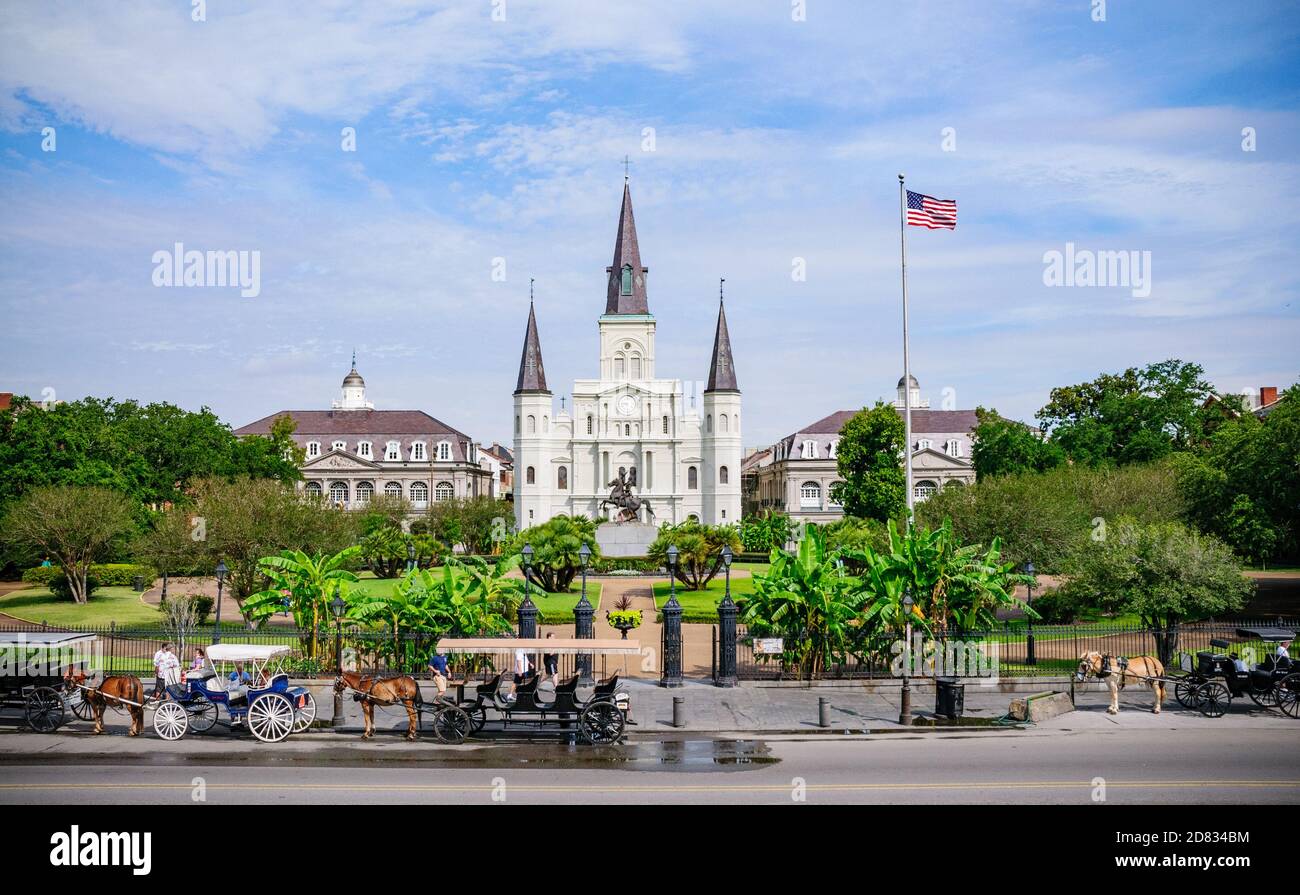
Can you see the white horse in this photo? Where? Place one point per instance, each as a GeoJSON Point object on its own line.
{"type": "Point", "coordinates": [1116, 671]}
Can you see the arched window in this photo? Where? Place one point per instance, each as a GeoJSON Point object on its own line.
{"type": "Point", "coordinates": [692, 475]}
{"type": "Point", "coordinates": [626, 286]}
{"type": "Point", "coordinates": [546, 423]}
{"type": "Point", "coordinates": [923, 489]}
{"type": "Point", "coordinates": [722, 422]}
{"type": "Point", "coordinates": [665, 416]}
{"type": "Point", "coordinates": [590, 422]}
{"type": "Point", "coordinates": [619, 366]}
{"type": "Point", "coordinates": [810, 495]}
{"type": "Point", "coordinates": [531, 477]}
{"type": "Point", "coordinates": [419, 495]}
{"type": "Point", "coordinates": [627, 429]}
{"type": "Point", "coordinates": [636, 366]}
{"type": "Point", "coordinates": [313, 489]}
{"type": "Point", "coordinates": [393, 489]}
{"type": "Point", "coordinates": [443, 491]}
{"type": "Point", "coordinates": [562, 478]}
{"type": "Point", "coordinates": [365, 491]}
{"type": "Point", "coordinates": [723, 475]}
{"type": "Point", "coordinates": [532, 424]}
{"type": "Point", "coordinates": [708, 423]}
{"type": "Point", "coordinates": [339, 492]}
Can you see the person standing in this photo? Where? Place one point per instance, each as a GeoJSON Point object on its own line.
{"type": "Point", "coordinates": [438, 668]}
{"type": "Point", "coordinates": [550, 661]}
{"type": "Point", "coordinates": [167, 669]}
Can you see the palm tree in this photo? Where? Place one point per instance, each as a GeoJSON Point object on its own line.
{"type": "Point", "coordinates": [307, 582]}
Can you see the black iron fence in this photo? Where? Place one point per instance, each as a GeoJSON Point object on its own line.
{"type": "Point", "coordinates": [1006, 651]}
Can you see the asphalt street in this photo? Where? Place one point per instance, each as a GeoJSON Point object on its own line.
{"type": "Point", "coordinates": [1120, 766]}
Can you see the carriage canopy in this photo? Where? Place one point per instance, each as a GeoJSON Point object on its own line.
{"type": "Point", "coordinates": [1270, 635]}
{"type": "Point", "coordinates": [556, 645]}
{"type": "Point", "coordinates": [245, 652]}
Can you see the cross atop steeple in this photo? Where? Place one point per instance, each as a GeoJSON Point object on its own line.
{"type": "Point", "coordinates": [627, 175]}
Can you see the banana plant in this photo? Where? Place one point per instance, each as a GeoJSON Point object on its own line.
{"type": "Point", "coordinates": [307, 582]}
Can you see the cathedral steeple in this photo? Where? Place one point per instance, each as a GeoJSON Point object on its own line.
{"type": "Point", "coordinates": [626, 291]}
{"type": "Point", "coordinates": [722, 367]}
{"type": "Point", "coordinates": [532, 375]}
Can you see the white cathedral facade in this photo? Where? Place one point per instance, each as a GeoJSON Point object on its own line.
{"type": "Point", "coordinates": [680, 453]}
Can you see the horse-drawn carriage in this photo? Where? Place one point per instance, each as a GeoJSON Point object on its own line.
{"type": "Point", "coordinates": [1211, 679]}
{"type": "Point", "coordinates": [597, 709]}
{"type": "Point", "coordinates": [36, 671]}
{"type": "Point", "coordinates": [258, 697]}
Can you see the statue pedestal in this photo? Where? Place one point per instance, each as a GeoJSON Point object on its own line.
{"type": "Point", "coordinates": [630, 539]}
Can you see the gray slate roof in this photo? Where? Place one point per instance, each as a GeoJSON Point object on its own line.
{"type": "Point", "coordinates": [626, 252]}
{"type": "Point", "coordinates": [722, 366]}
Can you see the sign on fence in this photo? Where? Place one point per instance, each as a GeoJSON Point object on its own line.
{"type": "Point", "coordinates": [769, 646]}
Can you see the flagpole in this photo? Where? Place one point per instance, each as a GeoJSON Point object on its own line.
{"type": "Point", "coordinates": [907, 367]}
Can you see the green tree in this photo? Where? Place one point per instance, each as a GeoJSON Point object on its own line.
{"type": "Point", "coordinates": [75, 525]}
{"type": "Point", "coordinates": [308, 581]}
{"type": "Point", "coordinates": [1003, 446]}
{"type": "Point", "coordinates": [806, 598]}
{"type": "Point", "coordinates": [765, 532]}
{"type": "Point", "coordinates": [870, 462]}
{"type": "Point", "coordinates": [480, 525]}
{"type": "Point", "coordinates": [556, 544]}
{"type": "Point", "coordinates": [699, 550]}
{"type": "Point", "coordinates": [1164, 572]}
{"type": "Point", "coordinates": [1136, 416]}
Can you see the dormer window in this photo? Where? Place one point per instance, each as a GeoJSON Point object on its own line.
{"type": "Point", "coordinates": [444, 450]}
{"type": "Point", "coordinates": [626, 286]}
{"type": "Point", "coordinates": [953, 448]}
{"type": "Point", "coordinates": [417, 451]}
{"type": "Point", "coordinates": [834, 447]}
{"type": "Point", "coordinates": [393, 450]}
{"type": "Point", "coordinates": [810, 450]}
{"type": "Point", "coordinates": [313, 449]}
{"type": "Point", "coordinates": [923, 445]}
{"type": "Point", "coordinates": [365, 450]}
{"type": "Point", "coordinates": [339, 446]}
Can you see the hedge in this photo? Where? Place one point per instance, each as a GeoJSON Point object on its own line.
{"type": "Point", "coordinates": [109, 574]}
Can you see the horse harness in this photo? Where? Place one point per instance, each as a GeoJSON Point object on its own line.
{"type": "Point", "coordinates": [365, 695]}
{"type": "Point", "coordinates": [1121, 661]}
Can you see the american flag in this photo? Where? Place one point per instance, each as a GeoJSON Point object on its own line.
{"type": "Point", "coordinates": [931, 213]}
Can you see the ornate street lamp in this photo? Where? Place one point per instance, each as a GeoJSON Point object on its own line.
{"type": "Point", "coordinates": [1029, 618]}
{"type": "Point", "coordinates": [726, 629]}
{"type": "Point", "coordinates": [583, 614]}
{"type": "Point", "coordinates": [410, 556]}
{"type": "Point", "coordinates": [905, 707]}
{"type": "Point", "coordinates": [672, 612]}
{"type": "Point", "coordinates": [336, 607]}
{"type": "Point", "coordinates": [221, 580]}
{"type": "Point", "coordinates": [527, 609]}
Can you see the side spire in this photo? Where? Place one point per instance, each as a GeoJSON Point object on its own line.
{"type": "Point", "coordinates": [722, 367]}
{"type": "Point", "coordinates": [532, 375]}
{"type": "Point", "coordinates": [626, 293]}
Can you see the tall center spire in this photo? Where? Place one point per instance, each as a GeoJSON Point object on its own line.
{"type": "Point", "coordinates": [626, 293]}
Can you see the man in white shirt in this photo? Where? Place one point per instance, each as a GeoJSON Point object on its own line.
{"type": "Point", "coordinates": [1283, 652]}
{"type": "Point", "coordinates": [167, 669]}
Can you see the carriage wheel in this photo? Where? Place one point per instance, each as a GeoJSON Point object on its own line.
{"type": "Point", "coordinates": [601, 723]}
{"type": "Point", "coordinates": [303, 717]}
{"type": "Point", "coordinates": [1287, 694]}
{"type": "Point", "coordinates": [170, 720]}
{"type": "Point", "coordinates": [1264, 698]}
{"type": "Point", "coordinates": [271, 717]}
{"type": "Point", "coordinates": [1213, 699]}
{"type": "Point", "coordinates": [477, 714]}
{"type": "Point", "coordinates": [80, 705]}
{"type": "Point", "coordinates": [202, 714]}
{"type": "Point", "coordinates": [1185, 691]}
{"type": "Point", "coordinates": [44, 710]}
{"type": "Point", "coordinates": [452, 725]}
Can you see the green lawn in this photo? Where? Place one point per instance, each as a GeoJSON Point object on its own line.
{"type": "Point", "coordinates": [754, 568]}
{"type": "Point", "coordinates": [108, 604]}
{"type": "Point", "coordinates": [702, 605]}
{"type": "Point", "coordinates": [555, 609]}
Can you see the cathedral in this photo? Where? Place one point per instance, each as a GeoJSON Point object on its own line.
{"type": "Point", "coordinates": [628, 430]}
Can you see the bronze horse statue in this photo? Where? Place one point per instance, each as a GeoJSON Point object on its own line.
{"type": "Point", "coordinates": [119, 691]}
{"type": "Point", "coordinates": [621, 496]}
{"type": "Point", "coordinates": [372, 691]}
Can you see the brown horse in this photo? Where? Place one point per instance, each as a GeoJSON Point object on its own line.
{"type": "Point", "coordinates": [1117, 671]}
{"type": "Point", "coordinates": [382, 691]}
{"type": "Point", "coordinates": [117, 691]}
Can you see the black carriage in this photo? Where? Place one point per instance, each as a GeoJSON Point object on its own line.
{"type": "Point", "coordinates": [34, 669]}
{"type": "Point", "coordinates": [596, 709]}
{"type": "Point", "coordinates": [1213, 678]}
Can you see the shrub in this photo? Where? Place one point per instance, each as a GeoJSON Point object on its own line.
{"type": "Point", "coordinates": [1055, 608]}
{"type": "Point", "coordinates": [112, 574]}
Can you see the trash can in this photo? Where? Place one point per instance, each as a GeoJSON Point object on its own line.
{"type": "Point", "coordinates": [138, 583]}
{"type": "Point", "coordinates": [949, 697]}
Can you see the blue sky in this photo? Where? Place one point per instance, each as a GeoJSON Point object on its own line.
{"type": "Point", "coordinates": [773, 140]}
